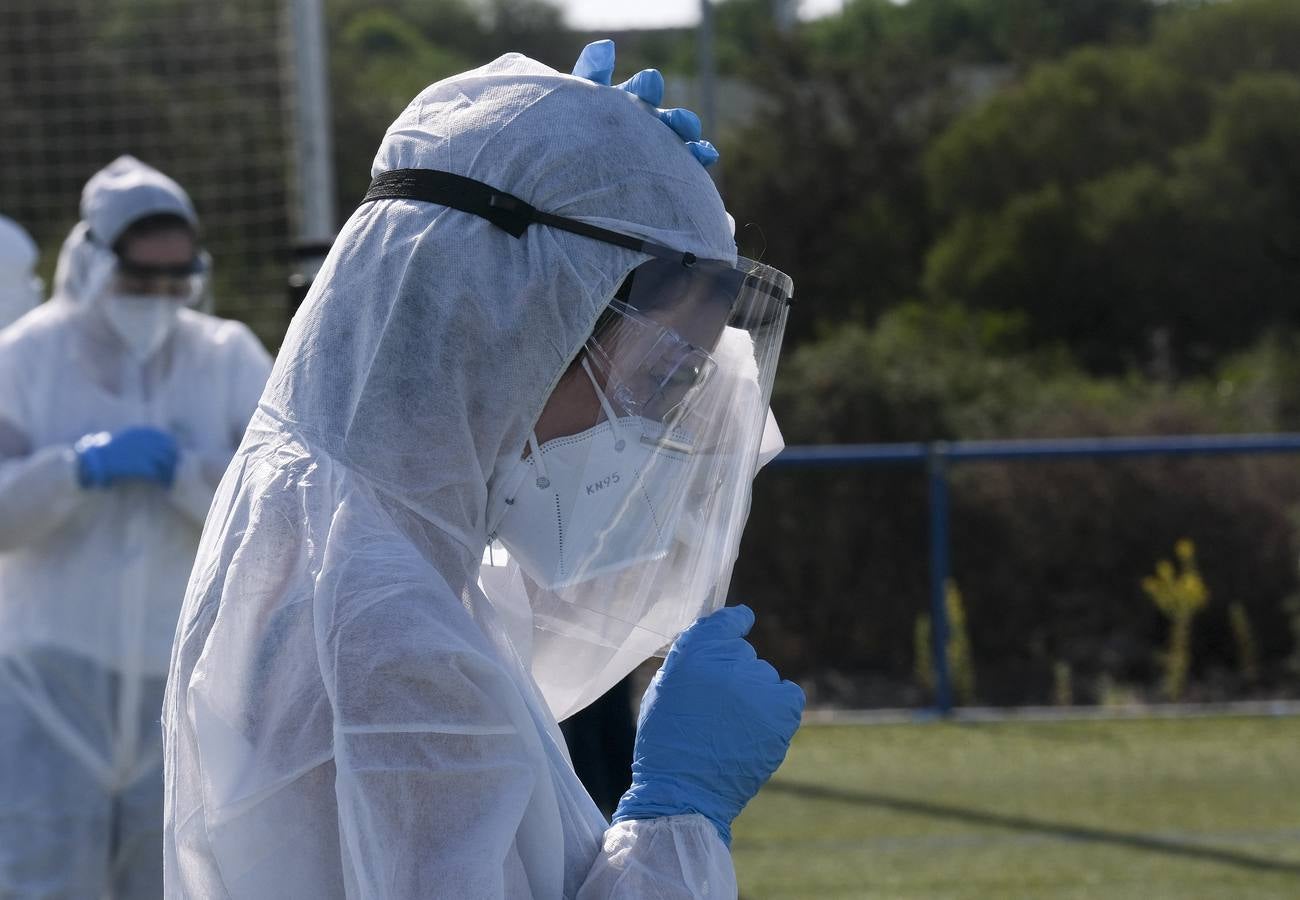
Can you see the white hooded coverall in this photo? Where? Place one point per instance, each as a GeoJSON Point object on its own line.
{"type": "Point", "coordinates": [346, 715]}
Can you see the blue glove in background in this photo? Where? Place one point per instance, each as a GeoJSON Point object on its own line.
{"type": "Point", "coordinates": [715, 724]}
{"type": "Point", "coordinates": [596, 63]}
{"type": "Point", "coordinates": [134, 454]}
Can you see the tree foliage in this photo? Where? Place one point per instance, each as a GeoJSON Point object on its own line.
{"type": "Point", "coordinates": [1019, 31]}
{"type": "Point", "coordinates": [1135, 201]}
{"type": "Point", "coordinates": [833, 170]}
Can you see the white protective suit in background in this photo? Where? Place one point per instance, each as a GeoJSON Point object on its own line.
{"type": "Point", "coordinates": [346, 715]}
{"type": "Point", "coordinates": [20, 288]}
{"type": "Point", "coordinates": [91, 582]}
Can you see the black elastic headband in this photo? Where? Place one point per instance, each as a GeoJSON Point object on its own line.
{"type": "Point", "coordinates": [513, 215]}
{"type": "Point", "coordinates": [503, 210]}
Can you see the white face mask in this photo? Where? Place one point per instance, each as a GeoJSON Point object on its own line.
{"type": "Point", "coordinates": [142, 322]}
{"type": "Point", "coordinates": [595, 502]}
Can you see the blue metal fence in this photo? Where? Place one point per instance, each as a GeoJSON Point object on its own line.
{"type": "Point", "coordinates": [940, 456]}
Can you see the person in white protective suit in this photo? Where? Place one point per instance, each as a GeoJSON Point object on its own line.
{"type": "Point", "coordinates": [118, 416]}
{"type": "Point", "coordinates": [504, 457]}
{"type": "Point", "coordinates": [20, 287]}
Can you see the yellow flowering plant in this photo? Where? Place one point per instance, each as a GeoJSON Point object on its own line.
{"type": "Point", "coordinates": [1179, 592]}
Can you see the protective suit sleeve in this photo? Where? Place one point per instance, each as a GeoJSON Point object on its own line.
{"type": "Point", "coordinates": [38, 491]}
{"type": "Point", "coordinates": [433, 778]}
{"type": "Point", "coordinates": [667, 858]}
{"type": "Point", "coordinates": [246, 365]}
{"type": "Point", "coordinates": [38, 488]}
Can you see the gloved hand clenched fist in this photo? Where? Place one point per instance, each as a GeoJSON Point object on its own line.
{"type": "Point", "coordinates": [134, 454]}
{"type": "Point", "coordinates": [715, 724]}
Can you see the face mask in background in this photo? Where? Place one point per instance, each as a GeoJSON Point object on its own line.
{"type": "Point", "coordinates": [143, 322]}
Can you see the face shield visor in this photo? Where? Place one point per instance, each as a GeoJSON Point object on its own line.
{"type": "Point", "coordinates": [621, 522]}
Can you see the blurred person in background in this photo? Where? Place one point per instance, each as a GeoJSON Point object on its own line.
{"type": "Point", "coordinates": [20, 288]}
{"type": "Point", "coordinates": [119, 411]}
{"type": "Point", "coordinates": [505, 456]}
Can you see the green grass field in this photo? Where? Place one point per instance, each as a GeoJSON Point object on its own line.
{"type": "Point", "coordinates": [1191, 808]}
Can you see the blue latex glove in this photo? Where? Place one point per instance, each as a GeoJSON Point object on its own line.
{"type": "Point", "coordinates": [135, 454]}
{"type": "Point", "coordinates": [715, 724]}
{"type": "Point", "coordinates": [596, 63]}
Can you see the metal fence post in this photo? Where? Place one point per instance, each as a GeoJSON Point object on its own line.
{"type": "Point", "coordinates": [937, 466]}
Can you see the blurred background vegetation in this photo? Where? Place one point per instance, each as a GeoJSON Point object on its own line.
{"type": "Point", "coordinates": [1004, 218]}
{"type": "Point", "coordinates": [1026, 218]}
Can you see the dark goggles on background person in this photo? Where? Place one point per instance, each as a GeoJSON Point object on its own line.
{"type": "Point", "coordinates": [132, 277]}
{"type": "Point", "coordinates": [651, 346]}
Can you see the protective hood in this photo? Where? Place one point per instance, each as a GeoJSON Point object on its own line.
{"type": "Point", "coordinates": [432, 338]}
{"type": "Point", "coordinates": [126, 191]}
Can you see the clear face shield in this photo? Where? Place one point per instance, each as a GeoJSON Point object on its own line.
{"type": "Point", "coordinates": [620, 523]}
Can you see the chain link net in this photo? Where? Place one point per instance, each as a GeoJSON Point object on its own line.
{"type": "Point", "coordinates": [197, 88]}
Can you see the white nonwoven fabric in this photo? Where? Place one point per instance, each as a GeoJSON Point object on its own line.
{"type": "Point", "coordinates": [346, 715]}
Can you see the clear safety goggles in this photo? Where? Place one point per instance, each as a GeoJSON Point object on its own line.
{"type": "Point", "coordinates": [649, 369]}
{"type": "Point", "coordinates": [652, 351]}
